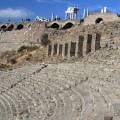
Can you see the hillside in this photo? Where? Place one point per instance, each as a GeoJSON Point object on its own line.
{"type": "Point", "coordinates": [87, 89]}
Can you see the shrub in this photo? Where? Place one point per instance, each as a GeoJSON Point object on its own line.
{"type": "Point", "coordinates": [27, 48]}
{"type": "Point", "coordinates": [44, 39]}
{"type": "Point", "coordinates": [13, 61]}
{"type": "Point", "coordinates": [4, 66]}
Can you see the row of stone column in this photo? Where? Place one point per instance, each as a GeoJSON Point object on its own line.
{"type": "Point", "coordinates": [85, 44]}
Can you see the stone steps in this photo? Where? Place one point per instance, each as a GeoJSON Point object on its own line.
{"type": "Point", "coordinates": [59, 92]}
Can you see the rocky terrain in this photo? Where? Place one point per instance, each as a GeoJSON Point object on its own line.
{"type": "Point", "coordinates": [88, 89]}
{"type": "Point", "coordinates": [15, 58]}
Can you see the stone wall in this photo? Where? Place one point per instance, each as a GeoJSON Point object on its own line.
{"type": "Point", "coordinates": [86, 43]}
{"type": "Point", "coordinates": [76, 41]}
{"type": "Point", "coordinates": [82, 39]}
{"type": "Point", "coordinates": [13, 39]}
{"type": "Point", "coordinates": [107, 17]}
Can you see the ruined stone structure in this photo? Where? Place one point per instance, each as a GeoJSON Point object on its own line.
{"type": "Point", "coordinates": [20, 34]}
{"type": "Point", "coordinates": [85, 44]}
{"type": "Point", "coordinates": [99, 16]}
{"type": "Point", "coordinates": [69, 38]}
{"type": "Point", "coordinates": [66, 24]}
{"type": "Point", "coordinates": [88, 90]}
{"type": "Point", "coordinates": [96, 18]}
{"type": "Point", "coordinates": [83, 39]}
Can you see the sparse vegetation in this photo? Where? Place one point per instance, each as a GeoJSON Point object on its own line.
{"type": "Point", "coordinates": [13, 61]}
{"type": "Point", "coordinates": [4, 66]}
{"type": "Point", "coordinates": [27, 48]}
{"type": "Point", "coordinates": [44, 39]}
{"type": "Point", "coordinates": [30, 53]}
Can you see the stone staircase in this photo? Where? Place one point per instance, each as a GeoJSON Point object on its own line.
{"type": "Point", "coordinates": [66, 91]}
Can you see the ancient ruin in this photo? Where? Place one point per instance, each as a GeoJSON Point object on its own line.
{"type": "Point", "coordinates": [61, 69]}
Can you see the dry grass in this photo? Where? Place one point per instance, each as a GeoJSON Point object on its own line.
{"type": "Point", "coordinates": [33, 54]}
{"type": "Point", "coordinates": [27, 48]}
{"type": "Point", "coordinates": [4, 66]}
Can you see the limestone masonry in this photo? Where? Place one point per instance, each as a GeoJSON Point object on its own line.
{"type": "Point", "coordinates": [84, 86]}
{"type": "Point", "coordinates": [67, 38]}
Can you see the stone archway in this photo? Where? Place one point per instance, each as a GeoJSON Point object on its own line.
{"type": "Point", "coordinates": [3, 27]}
{"type": "Point", "coordinates": [10, 28]}
{"type": "Point", "coordinates": [68, 25]}
{"type": "Point", "coordinates": [98, 20]}
{"type": "Point", "coordinates": [55, 25]}
{"type": "Point", "coordinates": [19, 27]}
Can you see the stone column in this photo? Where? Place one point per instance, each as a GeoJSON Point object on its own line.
{"type": "Point", "coordinates": [52, 52]}
{"type": "Point", "coordinates": [58, 49]}
{"type": "Point", "coordinates": [85, 44]}
{"type": "Point", "coordinates": [69, 47]}
{"type": "Point", "coordinates": [63, 50]}
{"type": "Point", "coordinates": [93, 42]}
{"type": "Point", "coordinates": [48, 50]}
{"type": "Point", "coordinates": [76, 50]}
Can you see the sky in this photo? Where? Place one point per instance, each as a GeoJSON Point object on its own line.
{"type": "Point", "coordinates": [15, 10]}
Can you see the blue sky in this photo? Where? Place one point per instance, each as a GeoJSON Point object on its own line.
{"type": "Point", "coordinates": [17, 9]}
